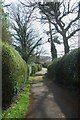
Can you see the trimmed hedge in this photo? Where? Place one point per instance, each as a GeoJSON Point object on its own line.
{"type": "Point", "coordinates": [51, 68]}
{"type": "Point", "coordinates": [29, 69]}
{"type": "Point", "coordinates": [33, 68]}
{"type": "Point", "coordinates": [39, 67]}
{"type": "Point", "coordinates": [20, 109]}
{"type": "Point", "coordinates": [14, 73]}
{"type": "Point", "coordinates": [65, 69]}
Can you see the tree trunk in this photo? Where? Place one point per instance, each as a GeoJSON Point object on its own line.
{"type": "Point", "coordinates": [53, 49]}
{"type": "Point", "coordinates": [66, 46]}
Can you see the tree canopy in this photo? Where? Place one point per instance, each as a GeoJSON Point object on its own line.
{"type": "Point", "coordinates": [59, 14]}
{"type": "Point", "coordinates": [25, 40]}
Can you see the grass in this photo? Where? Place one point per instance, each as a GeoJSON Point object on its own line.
{"type": "Point", "coordinates": [20, 109]}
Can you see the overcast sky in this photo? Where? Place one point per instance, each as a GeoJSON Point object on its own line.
{"type": "Point", "coordinates": [38, 27]}
{"type": "Point", "coordinates": [9, 1]}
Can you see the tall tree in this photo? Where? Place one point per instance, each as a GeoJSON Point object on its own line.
{"type": "Point", "coordinates": [25, 39]}
{"type": "Point", "coordinates": [53, 48]}
{"type": "Point", "coordinates": [63, 15]}
{"type": "Point", "coordinates": [57, 13]}
{"type": "Point", "coordinates": [52, 39]}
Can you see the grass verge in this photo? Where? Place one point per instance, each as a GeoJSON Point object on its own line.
{"type": "Point", "coordinates": [20, 109]}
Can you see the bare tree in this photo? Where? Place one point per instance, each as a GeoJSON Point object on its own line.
{"type": "Point", "coordinates": [25, 40]}
{"type": "Point", "coordinates": [57, 18]}
{"type": "Point", "coordinates": [52, 39]}
{"type": "Point", "coordinates": [53, 48]}
{"type": "Point", "coordinates": [63, 15]}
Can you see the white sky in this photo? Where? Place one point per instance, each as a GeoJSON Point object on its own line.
{"type": "Point", "coordinates": [9, 1]}
{"type": "Point", "coordinates": [46, 47]}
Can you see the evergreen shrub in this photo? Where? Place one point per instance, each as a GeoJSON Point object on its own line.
{"type": "Point", "coordinates": [66, 70]}
{"type": "Point", "coordinates": [51, 68]}
{"type": "Point", "coordinates": [39, 67]}
{"type": "Point", "coordinates": [14, 73]}
{"type": "Point", "coordinates": [34, 68]}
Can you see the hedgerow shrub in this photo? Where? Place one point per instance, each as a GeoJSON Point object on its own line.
{"type": "Point", "coordinates": [29, 69]}
{"type": "Point", "coordinates": [44, 65]}
{"type": "Point", "coordinates": [34, 68]}
{"type": "Point", "coordinates": [51, 68]}
{"type": "Point", "coordinates": [14, 73]}
{"type": "Point", "coordinates": [39, 67]}
{"type": "Point", "coordinates": [78, 67]}
{"type": "Point", "coordinates": [66, 70]}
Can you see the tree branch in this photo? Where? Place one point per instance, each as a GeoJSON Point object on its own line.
{"type": "Point", "coordinates": [56, 27]}
{"type": "Point", "coordinates": [69, 25]}
{"type": "Point", "coordinates": [36, 44]}
{"type": "Point", "coordinates": [73, 33]}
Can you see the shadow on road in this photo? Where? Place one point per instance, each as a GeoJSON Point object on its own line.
{"type": "Point", "coordinates": [48, 98]}
{"type": "Point", "coordinates": [65, 99]}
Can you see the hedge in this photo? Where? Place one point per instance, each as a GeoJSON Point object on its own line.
{"type": "Point", "coordinates": [33, 68]}
{"type": "Point", "coordinates": [39, 67]}
{"type": "Point", "coordinates": [14, 73]}
{"type": "Point", "coordinates": [65, 70]}
{"type": "Point", "coordinates": [51, 68]}
{"type": "Point", "coordinates": [29, 69]}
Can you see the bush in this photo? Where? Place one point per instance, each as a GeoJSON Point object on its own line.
{"type": "Point", "coordinates": [51, 68]}
{"type": "Point", "coordinates": [34, 68]}
{"type": "Point", "coordinates": [44, 65]}
{"type": "Point", "coordinates": [39, 67]}
{"type": "Point", "coordinates": [78, 66]}
{"type": "Point", "coordinates": [29, 69]}
{"type": "Point", "coordinates": [65, 70]}
{"type": "Point", "coordinates": [14, 73]}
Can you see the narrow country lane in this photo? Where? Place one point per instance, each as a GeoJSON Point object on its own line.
{"type": "Point", "coordinates": [49, 100]}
